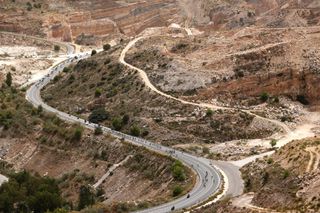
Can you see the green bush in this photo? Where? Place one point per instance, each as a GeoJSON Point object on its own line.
{"type": "Point", "coordinates": [86, 197]}
{"type": "Point", "coordinates": [106, 47]}
{"type": "Point", "coordinates": [302, 99]}
{"type": "Point", "coordinates": [93, 52]}
{"type": "Point", "coordinates": [125, 119]}
{"type": "Point", "coordinates": [98, 115]}
{"type": "Point", "coordinates": [205, 150]}
{"type": "Point", "coordinates": [56, 48]}
{"type": "Point", "coordinates": [77, 134]}
{"type": "Point", "coordinates": [273, 142]}
{"type": "Point", "coordinates": [66, 69]}
{"type": "Point", "coordinates": [264, 97]}
{"type": "Point", "coordinates": [286, 174]}
{"type": "Point", "coordinates": [39, 109]}
{"type": "Point", "coordinates": [98, 130]}
{"type": "Point", "coordinates": [97, 93]}
{"type": "Point", "coordinates": [177, 190]}
{"type": "Point", "coordinates": [29, 6]}
{"type": "Point", "coordinates": [9, 79]}
{"type": "Point", "coordinates": [178, 172]}
{"type": "Point", "coordinates": [209, 113]}
{"type": "Point", "coordinates": [26, 193]}
{"type": "Point", "coordinates": [56, 78]}
{"type": "Point", "coordinates": [135, 131]}
{"type": "Point", "coordinates": [117, 124]}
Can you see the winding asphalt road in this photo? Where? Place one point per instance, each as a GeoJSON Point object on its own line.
{"type": "Point", "coordinates": [208, 178]}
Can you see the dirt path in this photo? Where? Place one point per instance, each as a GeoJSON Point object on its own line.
{"type": "Point", "coordinates": [317, 161]}
{"type": "Point", "coordinates": [107, 174]}
{"type": "Point", "coordinates": [244, 201]}
{"type": "Point", "coordinates": [313, 163]}
{"type": "Point", "coordinates": [146, 80]}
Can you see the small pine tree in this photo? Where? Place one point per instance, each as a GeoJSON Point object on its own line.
{"type": "Point", "coordinates": [273, 142]}
{"type": "Point", "coordinates": [97, 93]}
{"type": "Point", "coordinates": [125, 119]}
{"type": "Point", "coordinates": [40, 109]}
{"type": "Point", "coordinates": [93, 52]}
{"type": "Point", "coordinates": [209, 113]}
{"type": "Point", "coordinates": [9, 79]}
{"type": "Point", "coordinates": [106, 47]}
{"type": "Point", "coordinates": [77, 134]}
{"type": "Point", "coordinates": [135, 131]}
{"type": "Point", "coordinates": [56, 48]}
{"type": "Point", "coordinates": [86, 197]}
{"type": "Point", "coordinates": [264, 97]}
{"type": "Point", "coordinates": [117, 124]}
{"type": "Point", "coordinates": [98, 130]}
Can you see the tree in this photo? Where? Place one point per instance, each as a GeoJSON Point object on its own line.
{"type": "Point", "coordinates": [106, 47]}
{"type": "Point", "coordinates": [177, 190]}
{"type": "Point", "coordinates": [135, 131]}
{"type": "Point", "coordinates": [66, 69]}
{"type": "Point", "coordinates": [98, 115]}
{"type": "Point", "coordinates": [56, 48]}
{"type": "Point", "coordinates": [9, 79]}
{"type": "Point", "coordinates": [26, 193]}
{"type": "Point", "coordinates": [93, 52]}
{"type": "Point", "coordinates": [125, 119]}
{"type": "Point", "coordinates": [286, 174]}
{"type": "Point", "coordinates": [29, 6]}
{"type": "Point", "coordinates": [77, 134]}
{"type": "Point", "coordinates": [264, 97]}
{"type": "Point", "coordinates": [302, 99]}
{"type": "Point", "coordinates": [98, 130]}
{"type": "Point", "coordinates": [40, 109]}
{"type": "Point", "coordinates": [97, 93]}
{"type": "Point", "coordinates": [117, 124]}
{"type": "Point", "coordinates": [209, 113]}
{"type": "Point", "coordinates": [273, 142]}
{"type": "Point", "coordinates": [86, 197]}
{"type": "Point", "coordinates": [205, 150]}
{"type": "Point", "coordinates": [178, 171]}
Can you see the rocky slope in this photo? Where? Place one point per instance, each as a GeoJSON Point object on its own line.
{"type": "Point", "coordinates": [101, 86]}
{"type": "Point", "coordinates": [234, 67]}
{"type": "Point", "coordinates": [221, 14]}
{"type": "Point", "coordinates": [45, 145]}
{"type": "Point", "coordinates": [286, 181]}
{"type": "Point", "coordinates": [66, 20]}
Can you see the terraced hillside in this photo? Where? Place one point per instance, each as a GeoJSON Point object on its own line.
{"type": "Point", "coordinates": [66, 20]}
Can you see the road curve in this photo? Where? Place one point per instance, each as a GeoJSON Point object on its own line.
{"type": "Point", "coordinates": [208, 178]}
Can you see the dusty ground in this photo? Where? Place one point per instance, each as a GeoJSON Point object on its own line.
{"type": "Point", "coordinates": [206, 66]}
{"type": "Point", "coordinates": [25, 58]}
{"type": "Point", "coordinates": [289, 167]}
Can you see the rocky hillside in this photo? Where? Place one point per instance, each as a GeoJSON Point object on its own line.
{"type": "Point", "coordinates": [67, 20]}
{"type": "Point", "coordinates": [103, 91]}
{"type": "Point", "coordinates": [289, 179]}
{"type": "Point", "coordinates": [221, 14]}
{"type": "Point", "coordinates": [287, 182]}
{"type": "Point", "coordinates": [41, 143]}
{"type": "Point", "coordinates": [234, 67]}
{"type": "Point", "coordinates": [72, 20]}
